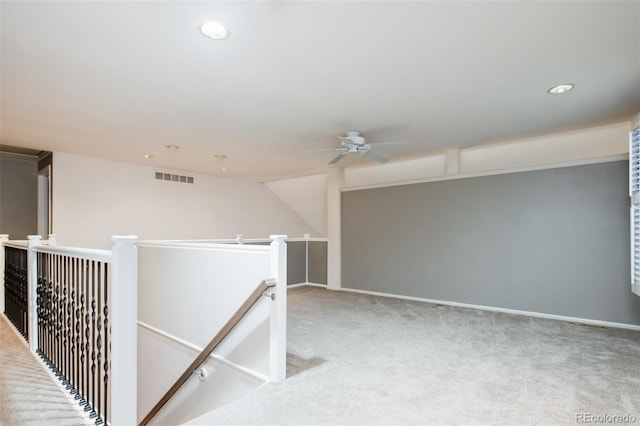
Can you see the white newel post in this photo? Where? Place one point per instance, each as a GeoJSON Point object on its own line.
{"type": "Point", "coordinates": [278, 323]}
{"type": "Point", "coordinates": [53, 240]}
{"type": "Point", "coordinates": [32, 290]}
{"type": "Point", "coordinates": [124, 330]}
{"type": "Point", "coordinates": [3, 238]}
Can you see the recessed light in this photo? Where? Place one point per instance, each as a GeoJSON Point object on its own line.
{"type": "Point", "coordinates": [561, 88]}
{"type": "Point", "coordinates": [219, 156]}
{"type": "Point", "coordinates": [223, 170]}
{"type": "Point", "coordinates": [174, 147]}
{"type": "Point", "coordinates": [147, 156]}
{"type": "Point", "coordinates": [214, 30]}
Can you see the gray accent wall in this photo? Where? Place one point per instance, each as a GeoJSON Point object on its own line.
{"type": "Point", "coordinates": [552, 241]}
{"type": "Point", "coordinates": [18, 196]}
{"type": "Point", "coordinates": [318, 262]}
{"type": "Point", "coordinates": [296, 262]}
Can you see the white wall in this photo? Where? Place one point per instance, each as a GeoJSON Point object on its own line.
{"type": "Point", "coordinates": [94, 199]}
{"type": "Point", "coordinates": [305, 195]}
{"type": "Point", "coordinates": [558, 150]}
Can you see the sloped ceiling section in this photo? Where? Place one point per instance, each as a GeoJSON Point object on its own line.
{"type": "Point", "coordinates": [307, 196]}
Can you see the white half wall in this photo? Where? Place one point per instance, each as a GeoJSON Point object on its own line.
{"type": "Point", "coordinates": [94, 199]}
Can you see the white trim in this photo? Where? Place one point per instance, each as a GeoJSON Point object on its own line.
{"type": "Point", "coordinates": [198, 349]}
{"type": "Point", "coordinates": [19, 244]}
{"type": "Point", "coordinates": [502, 310]}
{"type": "Point", "coordinates": [306, 284]}
{"type": "Point", "coordinates": [207, 246]}
{"type": "Point", "coordinates": [555, 165]}
{"type": "Point", "coordinates": [82, 253]}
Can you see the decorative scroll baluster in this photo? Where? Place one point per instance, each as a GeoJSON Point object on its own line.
{"type": "Point", "coordinates": [59, 316]}
{"type": "Point", "coordinates": [92, 387]}
{"type": "Point", "coordinates": [107, 347]}
{"type": "Point", "coordinates": [85, 351]}
{"type": "Point", "coordinates": [63, 322]}
{"type": "Point", "coordinates": [74, 327]}
{"type": "Point", "coordinates": [70, 325]}
{"type": "Point", "coordinates": [98, 372]}
{"type": "Point", "coordinates": [54, 311]}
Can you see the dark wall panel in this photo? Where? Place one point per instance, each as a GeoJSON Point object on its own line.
{"type": "Point", "coordinates": [296, 263]}
{"type": "Point", "coordinates": [553, 241]}
{"type": "Point", "coordinates": [18, 197]}
{"type": "Point", "coordinates": [318, 262]}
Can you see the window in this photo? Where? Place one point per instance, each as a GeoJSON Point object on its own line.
{"type": "Point", "coordinates": [634, 193]}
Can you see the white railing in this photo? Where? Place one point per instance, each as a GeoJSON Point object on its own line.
{"type": "Point", "coordinates": [306, 256]}
{"type": "Point", "coordinates": [82, 313]}
{"type": "Point", "coordinates": [81, 302]}
{"type": "Point", "coordinates": [188, 290]}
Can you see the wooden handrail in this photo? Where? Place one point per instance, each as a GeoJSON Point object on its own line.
{"type": "Point", "coordinates": [213, 344]}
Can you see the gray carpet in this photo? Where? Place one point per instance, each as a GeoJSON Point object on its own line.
{"type": "Point", "coordinates": [363, 360]}
{"type": "Point", "coordinates": [29, 396]}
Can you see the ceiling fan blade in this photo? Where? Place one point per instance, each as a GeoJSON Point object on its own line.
{"type": "Point", "coordinates": [379, 158]}
{"type": "Point", "coordinates": [338, 158]}
{"type": "Point", "coordinates": [324, 149]}
{"type": "Point", "coordinates": [387, 144]}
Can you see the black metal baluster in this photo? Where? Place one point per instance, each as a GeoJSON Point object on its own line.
{"type": "Point", "coordinates": [54, 310]}
{"type": "Point", "coordinates": [54, 299]}
{"type": "Point", "coordinates": [87, 335]}
{"type": "Point", "coordinates": [63, 321]}
{"type": "Point", "coordinates": [93, 340]}
{"type": "Point", "coordinates": [80, 325]}
{"type": "Point", "coordinates": [16, 289]}
{"type": "Point", "coordinates": [74, 328]}
{"type": "Point", "coordinates": [70, 309]}
{"type": "Point", "coordinates": [39, 267]}
{"type": "Point", "coordinates": [107, 344]}
{"type": "Point", "coordinates": [24, 302]}
{"type": "Point", "coordinates": [46, 308]}
{"type": "Point", "coordinates": [67, 324]}
{"type": "Point", "coordinates": [59, 317]}
{"type": "Point", "coordinates": [98, 374]}
{"type": "Point", "coordinates": [85, 330]}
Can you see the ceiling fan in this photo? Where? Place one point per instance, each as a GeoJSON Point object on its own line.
{"type": "Point", "coordinates": [354, 143]}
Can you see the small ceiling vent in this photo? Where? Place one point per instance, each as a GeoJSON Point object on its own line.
{"type": "Point", "coordinates": [174, 178]}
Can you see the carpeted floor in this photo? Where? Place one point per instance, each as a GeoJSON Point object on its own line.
{"type": "Point", "coordinates": [29, 396]}
{"type": "Point", "coordinates": [364, 360]}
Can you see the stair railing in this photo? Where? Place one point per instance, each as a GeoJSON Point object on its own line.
{"type": "Point", "coordinates": [260, 291]}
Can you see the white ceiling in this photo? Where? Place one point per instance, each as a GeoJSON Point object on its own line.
{"type": "Point", "coordinates": [120, 79]}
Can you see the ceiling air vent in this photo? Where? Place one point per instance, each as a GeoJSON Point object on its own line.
{"type": "Point", "coordinates": [174, 178]}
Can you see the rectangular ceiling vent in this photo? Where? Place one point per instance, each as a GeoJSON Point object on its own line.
{"type": "Point", "coordinates": [174, 178]}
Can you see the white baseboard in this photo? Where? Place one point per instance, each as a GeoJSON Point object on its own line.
{"type": "Point", "coordinates": [307, 284]}
{"type": "Point", "coordinates": [502, 310]}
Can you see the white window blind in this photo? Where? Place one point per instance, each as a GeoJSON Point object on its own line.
{"type": "Point", "coordinates": [634, 193]}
